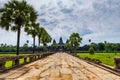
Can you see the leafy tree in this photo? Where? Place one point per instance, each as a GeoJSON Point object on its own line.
{"type": "Point", "coordinates": [32, 31]}
{"type": "Point", "coordinates": [7, 48]}
{"type": "Point", "coordinates": [101, 46]}
{"type": "Point", "coordinates": [75, 40]}
{"type": "Point", "coordinates": [91, 50]}
{"type": "Point", "coordinates": [25, 46]}
{"type": "Point", "coordinates": [45, 38]}
{"type": "Point", "coordinates": [67, 45]}
{"type": "Point", "coordinates": [1, 45]}
{"type": "Point", "coordinates": [108, 47]}
{"type": "Point", "coordinates": [95, 46]}
{"type": "Point", "coordinates": [118, 46]}
{"type": "Point", "coordinates": [105, 42]}
{"type": "Point", "coordinates": [15, 15]}
{"type": "Point", "coordinates": [115, 47]}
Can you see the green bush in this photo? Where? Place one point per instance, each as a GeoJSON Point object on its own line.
{"type": "Point", "coordinates": [91, 50]}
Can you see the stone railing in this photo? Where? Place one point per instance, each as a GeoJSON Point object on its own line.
{"type": "Point", "coordinates": [117, 62]}
{"type": "Point", "coordinates": [15, 61]}
{"type": "Point", "coordinates": [97, 61]}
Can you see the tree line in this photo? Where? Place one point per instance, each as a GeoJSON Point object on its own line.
{"type": "Point", "coordinates": [72, 44]}
{"type": "Point", "coordinates": [98, 47]}
{"type": "Point", "coordinates": [17, 14]}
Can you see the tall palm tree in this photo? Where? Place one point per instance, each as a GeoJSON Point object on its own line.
{"type": "Point", "coordinates": [75, 40]}
{"type": "Point", "coordinates": [89, 40]}
{"type": "Point", "coordinates": [15, 15]}
{"type": "Point", "coordinates": [27, 41]}
{"type": "Point", "coordinates": [45, 38]}
{"type": "Point", "coordinates": [39, 34]}
{"type": "Point", "coordinates": [32, 31]}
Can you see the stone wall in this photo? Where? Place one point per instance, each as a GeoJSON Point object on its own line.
{"type": "Point", "coordinates": [16, 60]}
{"type": "Point", "coordinates": [117, 62]}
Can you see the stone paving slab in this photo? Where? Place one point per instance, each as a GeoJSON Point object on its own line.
{"type": "Point", "coordinates": [59, 66]}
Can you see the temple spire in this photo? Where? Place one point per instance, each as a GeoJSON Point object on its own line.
{"type": "Point", "coordinates": [61, 44]}
{"type": "Point", "coordinates": [60, 41]}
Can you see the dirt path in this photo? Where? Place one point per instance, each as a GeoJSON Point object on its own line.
{"type": "Point", "coordinates": [59, 66]}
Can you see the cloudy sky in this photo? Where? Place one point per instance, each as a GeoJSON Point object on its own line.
{"type": "Point", "coordinates": [98, 20]}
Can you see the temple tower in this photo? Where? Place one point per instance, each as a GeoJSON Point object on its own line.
{"type": "Point", "coordinates": [61, 44]}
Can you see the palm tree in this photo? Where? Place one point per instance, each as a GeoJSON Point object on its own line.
{"type": "Point", "coordinates": [27, 41]}
{"type": "Point", "coordinates": [75, 40]}
{"type": "Point", "coordinates": [45, 38]}
{"type": "Point", "coordinates": [15, 15]}
{"type": "Point", "coordinates": [67, 45]}
{"type": "Point", "coordinates": [32, 31]}
{"type": "Point", "coordinates": [89, 40]}
{"type": "Point", "coordinates": [39, 34]}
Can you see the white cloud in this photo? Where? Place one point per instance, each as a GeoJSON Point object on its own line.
{"type": "Point", "coordinates": [98, 20]}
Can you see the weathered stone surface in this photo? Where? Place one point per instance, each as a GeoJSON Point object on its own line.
{"type": "Point", "coordinates": [5, 75]}
{"type": "Point", "coordinates": [51, 78]}
{"type": "Point", "coordinates": [45, 73]}
{"type": "Point", "coordinates": [15, 75]}
{"type": "Point", "coordinates": [59, 67]}
{"type": "Point", "coordinates": [42, 79]}
{"type": "Point", "coordinates": [66, 76]}
{"type": "Point", "coordinates": [54, 73]}
{"type": "Point", "coordinates": [65, 71]}
{"type": "Point", "coordinates": [76, 77]}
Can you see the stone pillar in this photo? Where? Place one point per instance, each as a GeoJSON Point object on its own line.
{"type": "Point", "coordinates": [25, 60]}
{"type": "Point", "coordinates": [34, 58]}
{"type": "Point", "coordinates": [117, 62]}
{"type": "Point", "coordinates": [2, 66]}
{"type": "Point", "coordinates": [15, 62]}
{"type": "Point", "coordinates": [31, 58]}
{"type": "Point", "coordinates": [39, 56]}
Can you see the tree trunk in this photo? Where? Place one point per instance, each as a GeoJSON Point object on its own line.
{"type": "Point", "coordinates": [38, 42]}
{"type": "Point", "coordinates": [33, 44]}
{"type": "Point", "coordinates": [18, 40]}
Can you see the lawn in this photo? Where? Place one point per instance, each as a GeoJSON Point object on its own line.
{"type": "Point", "coordinates": [8, 54]}
{"type": "Point", "coordinates": [106, 58]}
{"type": "Point", "coordinates": [12, 54]}
{"type": "Point", "coordinates": [9, 63]}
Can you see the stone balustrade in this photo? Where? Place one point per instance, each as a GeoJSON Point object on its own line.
{"type": "Point", "coordinates": [20, 60]}
{"type": "Point", "coordinates": [117, 62]}
{"type": "Point", "coordinates": [97, 61]}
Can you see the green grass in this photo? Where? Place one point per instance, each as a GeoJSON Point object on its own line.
{"type": "Point", "coordinates": [7, 54]}
{"type": "Point", "coordinates": [9, 63]}
{"type": "Point", "coordinates": [2, 54]}
{"type": "Point", "coordinates": [106, 58]}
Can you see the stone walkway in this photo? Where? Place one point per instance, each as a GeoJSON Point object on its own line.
{"type": "Point", "coordinates": [59, 66]}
